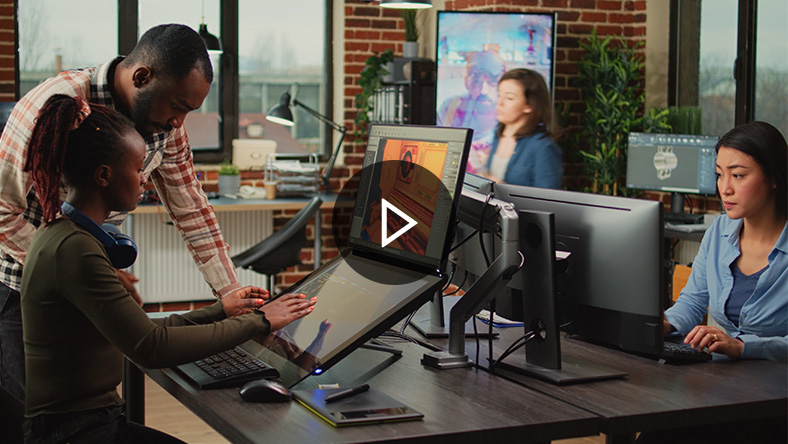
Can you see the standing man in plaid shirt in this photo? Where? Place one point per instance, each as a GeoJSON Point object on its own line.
{"type": "Point", "coordinates": [167, 75]}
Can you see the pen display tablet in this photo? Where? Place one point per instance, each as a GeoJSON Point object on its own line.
{"type": "Point", "coordinates": [351, 309]}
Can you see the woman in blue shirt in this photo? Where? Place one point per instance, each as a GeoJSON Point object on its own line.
{"type": "Point", "coordinates": [523, 151]}
{"type": "Point", "coordinates": [741, 270]}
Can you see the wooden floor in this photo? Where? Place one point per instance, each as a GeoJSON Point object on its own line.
{"type": "Point", "coordinates": [165, 413]}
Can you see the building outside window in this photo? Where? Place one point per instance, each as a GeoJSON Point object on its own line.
{"type": "Point", "coordinates": [279, 44]}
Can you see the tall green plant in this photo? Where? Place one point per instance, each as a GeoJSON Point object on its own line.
{"type": "Point", "coordinates": [369, 81]}
{"type": "Point", "coordinates": [411, 30]}
{"type": "Point", "coordinates": [611, 84]}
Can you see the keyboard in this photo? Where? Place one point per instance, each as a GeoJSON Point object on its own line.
{"type": "Point", "coordinates": [231, 368]}
{"type": "Point", "coordinates": [682, 218]}
{"type": "Point", "coordinates": [681, 353]}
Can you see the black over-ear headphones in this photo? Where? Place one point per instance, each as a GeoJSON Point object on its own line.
{"type": "Point", "coordinates": [121, 249]}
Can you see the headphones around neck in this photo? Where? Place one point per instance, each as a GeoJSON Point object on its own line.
{"type": "Point", "coordinates": [121, 249]}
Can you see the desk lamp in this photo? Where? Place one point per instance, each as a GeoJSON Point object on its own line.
{"type": "Point", "coordinates": [281, 114]}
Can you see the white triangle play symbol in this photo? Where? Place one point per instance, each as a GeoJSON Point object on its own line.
{"type": "Point", "coordinates": [384, 212]}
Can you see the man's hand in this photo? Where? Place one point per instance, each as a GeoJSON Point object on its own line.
{"type": "Point", "coordinates": [244, 300]}
{"type": "Point", "coordinates": [287, 308]}
{"type": "Point", "coordinates": [128, 280]}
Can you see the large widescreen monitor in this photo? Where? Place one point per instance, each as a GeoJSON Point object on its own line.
{"type": "Point", "coordinates": [474, 49]}
{"type": "Point", "coordinates": [677, 163]}
{"type": "Point", "coordinates": [611, 286]}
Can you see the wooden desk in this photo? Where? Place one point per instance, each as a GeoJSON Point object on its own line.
{"type": "Point", "coordinates": [462, 405]}
{"type": "Point", "coordinates": [661, 396]}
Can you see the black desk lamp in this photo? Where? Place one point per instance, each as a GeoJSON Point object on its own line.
{"type": "Point", "coordinates": [281, 114]}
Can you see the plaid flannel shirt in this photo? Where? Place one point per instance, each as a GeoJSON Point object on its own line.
{"type": "Point", "coordinates": [168, 164]}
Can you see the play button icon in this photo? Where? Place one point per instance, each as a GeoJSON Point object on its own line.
{"type": "Point", "coordinates": [384, 209]}
{"type": "Point", "coordinates": [396, 212]}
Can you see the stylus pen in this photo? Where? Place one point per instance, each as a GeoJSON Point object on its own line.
{"type": "Point", "coordinates": [347, 393]}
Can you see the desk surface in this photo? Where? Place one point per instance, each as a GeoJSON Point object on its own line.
{"type": "Point", "coordinates": [662, 396]}
{"type": "Point", "coordinates": [460, 405]}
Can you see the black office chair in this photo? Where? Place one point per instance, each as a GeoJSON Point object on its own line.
{"type": "Point", "coordinates": [12, 412]}
{"type": "Point", "coordinates": [281, 249]}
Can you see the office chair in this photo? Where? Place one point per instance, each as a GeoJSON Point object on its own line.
{"type": "Point", "coordinates": [12, 412]}
{"type": "Point", "coordinates": [281, 249]}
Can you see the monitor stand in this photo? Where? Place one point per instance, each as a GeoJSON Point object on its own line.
{"type": "Point", "coordinates": [543, 358]}
{"type": "Point", "coordinates": [432, 319]}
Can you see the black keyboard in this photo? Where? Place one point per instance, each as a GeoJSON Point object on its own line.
{"type": "Point", "coordinates": [679, 353]}
{"type": "Point", "coordinates": [231, 368]}
{"type": "Point", "coordinates": [682, 218]}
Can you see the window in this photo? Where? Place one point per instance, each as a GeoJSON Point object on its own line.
{"type": "Point", "coordinates": [276, 49]}
{"type": "Point", "coordinates": [50, 40]}
{"type": "Point", "coordinates": [268, 46]}
{"type": "Point", "coordinates": [771, 64]}
{"type": "Point", "coordinates": [716, 84]}
{"type": "Point", "coordinates": [712, 39]}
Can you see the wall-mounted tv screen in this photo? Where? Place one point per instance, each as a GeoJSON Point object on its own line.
{"type": "Point", "coordinates": [473, 50]}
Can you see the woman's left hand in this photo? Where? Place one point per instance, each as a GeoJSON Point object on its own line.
{"type": "Point", "coordinates": [245, 300]}
{"type": "Point", "coordinates": [716, 340]}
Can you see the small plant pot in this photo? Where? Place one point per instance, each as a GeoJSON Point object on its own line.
{"type": "Point", "coordinates": [410, 50]}
{"type": "Point", "coordinates": [229, 184]}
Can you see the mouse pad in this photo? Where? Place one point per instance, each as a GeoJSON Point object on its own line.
{"type": "Point", "coordinates": [370, 407]}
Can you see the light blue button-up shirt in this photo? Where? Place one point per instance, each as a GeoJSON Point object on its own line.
{"type": "Point", "coordinates": [763, 325]}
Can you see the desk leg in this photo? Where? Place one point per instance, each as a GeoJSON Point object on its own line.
{"type": "Point", "coordinates": [318, 235]}
{"type": "Point", "coordinates": [133, 388]}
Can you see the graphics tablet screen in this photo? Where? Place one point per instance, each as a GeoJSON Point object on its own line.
{"type": "Point", "coordinates": [350, 310]}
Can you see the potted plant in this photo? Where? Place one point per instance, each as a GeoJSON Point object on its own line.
{"type": "Point", "coordinates": [410, 48]}
{"type": "Point", "coordinates": [229, 178]}
{"type": "Point", "coordinates": [369, 82]}
{"type": "Point", "coordinates": [611, 85]}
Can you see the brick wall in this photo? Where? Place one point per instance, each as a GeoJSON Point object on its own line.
{"type": "Point", "coordinates": [7, 56]}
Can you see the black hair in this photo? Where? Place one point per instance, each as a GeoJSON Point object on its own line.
{"type": "Point", "coordinates": [172, 51]}
{"type": "Point", "coordinates": [764, 143]}
{"type": "Point", "coordinates": [59, 153]}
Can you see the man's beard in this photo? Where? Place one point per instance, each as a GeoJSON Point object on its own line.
{"type": "Point", "coordinates": [143, 104]}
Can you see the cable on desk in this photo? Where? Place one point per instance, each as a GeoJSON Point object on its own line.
{"type": "Point", "coordinates": [519, 343]}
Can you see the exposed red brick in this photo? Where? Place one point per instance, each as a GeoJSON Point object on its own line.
{"type": "Point", "coordinates": [584, 4]}
{"type": "Point", "coordinates": [362, 11]}
{"type": "Point", "coordinates": [609, 5]}
{"type": "Point", "coordinates": [568, 16]}
{"type": "Point", "coordinates": [608, 30]}
{"type": "Point", "coordinates": [384, 24]}
{"type": "Point", "coordinates": [581, 29]}
{"type": "Point", "coordinates": [634, 31]}
{"type": "Point", "coordinates": [357, 23]}
{"type": "Point", "coordinates": [621, 18]}
{"type": "Point", "coordinates": [594, 17]}
{"type": "Point", "coordinates": [556, 3]}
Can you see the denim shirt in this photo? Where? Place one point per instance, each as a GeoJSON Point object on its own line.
{"type": "Point", "coordinates": [537, 161]}
{"type": "Point", "coordinates": [763, 325]}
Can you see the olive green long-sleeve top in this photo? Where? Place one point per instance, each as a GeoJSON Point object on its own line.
{"type": "Point", "coordinates": [79, 321]}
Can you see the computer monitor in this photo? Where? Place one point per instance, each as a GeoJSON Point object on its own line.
{"type": "Point", "coordinates": [370, 287]}
{"type": "Point", "coordinates": [677, 163]}
{"type": "Point", "coordinates": [611, 285]}
{"type": "Point", "coordinates": [418, 170]}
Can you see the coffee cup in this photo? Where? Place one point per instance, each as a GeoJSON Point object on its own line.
{"type": "Point", "coordinates": [270, 189]}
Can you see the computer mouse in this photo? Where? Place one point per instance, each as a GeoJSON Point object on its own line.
{"type": "Point", "coordinates": [264, 390]}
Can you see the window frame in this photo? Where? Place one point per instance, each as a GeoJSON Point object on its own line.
{"type": "Point", "coordinates": [744, 65]}
{"type": "Point", "coordinates": [229, 100]}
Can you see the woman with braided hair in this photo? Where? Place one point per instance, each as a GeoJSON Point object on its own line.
{"type": "Point", "coordinates": [78, 317]}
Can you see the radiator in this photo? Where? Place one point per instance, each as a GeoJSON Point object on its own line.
{"type": "Point", "coordinates": [164, 266]}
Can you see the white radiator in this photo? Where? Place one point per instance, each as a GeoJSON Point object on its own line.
{"type": "Point", "coordinates": [164, 266]}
